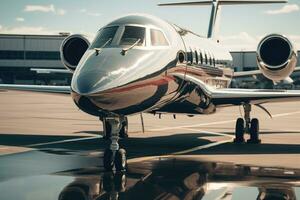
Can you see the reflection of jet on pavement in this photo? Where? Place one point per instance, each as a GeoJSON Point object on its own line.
{"type": "Point", "coordinates": [184, 179]}
{"type": "Point", "coordinates": [140, 63]}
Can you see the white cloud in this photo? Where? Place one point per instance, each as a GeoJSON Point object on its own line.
{"type": "Point", "coordinates": [33, 30]}
{"type": "Point", "coordinates": [0, 27]}
{"type": "Point", "coordinates": [240, 41]}
{"type": "Point", "coordinates": [20, 19]}
{"type": "Point", "coordinates": [94, 14]}
{"type": "Point", "coordinates": [39, 8]}
{"type": "Point", "coordinates": [284, 10]}
{"type": "Point", "coordinates": [61, 12]}
{"type": "Point", "coordinates": [246, 42]}
{"type": "Point", "coordinates": [44, 8]}
{"type": "Point", "coordinates": [83, 10]}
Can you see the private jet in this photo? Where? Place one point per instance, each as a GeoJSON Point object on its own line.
{"type": "Point", "coordinates": [143, 64]}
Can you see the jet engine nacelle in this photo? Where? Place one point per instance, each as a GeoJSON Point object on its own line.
{"type": "Point", "coordinates": [72, 49]}
{"type": "Point", "coordinates": [276, 57]}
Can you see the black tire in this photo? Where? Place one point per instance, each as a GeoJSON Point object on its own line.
{"type": "Point", "coordinates": [239, 131]}
{"type": "Point", "coordinates": [120, 181]}
{"type": "Point", "coordinates": [108, 182]}
{"type": "Point", "coordinates": [254, 132]}
{"type": "Point", "coordinates": [120, 160]}
{"type": "Point", "coordinates": [124, 129]}
{"type": "Point", "coordinates": [108, 161]}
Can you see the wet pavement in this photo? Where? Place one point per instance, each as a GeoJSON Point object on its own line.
{"type": "Point", "coordinates": [50, 150]}
{"type": "Point", "coordinates": [59, 174]}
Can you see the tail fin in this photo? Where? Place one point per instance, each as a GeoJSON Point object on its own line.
{"type": "Point", "coordinates": [215, 11]}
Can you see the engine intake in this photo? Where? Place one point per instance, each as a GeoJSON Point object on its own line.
{"type": "Point", "coordinates": [276, 57]}
{"type": "Point", "coordinates": [72, 50]}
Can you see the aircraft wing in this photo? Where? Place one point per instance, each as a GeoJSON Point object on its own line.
{"type": "Point", "coordinates": [252, 73]}
{"type": "Point", "coordinates": [233, 96]}
{"type": "Point", "coordinates": [37, 88]}
{"type": "Point", "coordinates": [49, 71]}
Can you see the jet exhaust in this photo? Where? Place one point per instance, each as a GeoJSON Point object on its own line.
{"type": "Point", "coordinates": [276, 57]}
{"type": "Point", "coordinates": [72, 50]}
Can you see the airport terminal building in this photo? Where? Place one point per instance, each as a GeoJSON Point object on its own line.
{"type": "Point", "coordinates": [21, 53]}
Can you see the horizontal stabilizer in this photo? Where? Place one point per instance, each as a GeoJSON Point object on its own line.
{"type": "Point", "coordinates": [216, 8]}
{"type": "Point", "coordinates": [223, 2]}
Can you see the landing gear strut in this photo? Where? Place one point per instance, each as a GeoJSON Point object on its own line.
{"type": "Point", "coordinates": [247, 125]}
{"type": "Point", "coordinates": [123, 133]}
{"type": "Point", "coordinates": [114, 156]}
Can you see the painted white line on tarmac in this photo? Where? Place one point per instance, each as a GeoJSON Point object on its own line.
{"type": "Point", "coordinates": [192, 125]}
{"type": "Point", "coordinates": [206, 146]}
{"type": "Point", "coordinates": [216, 123]}
{"type": "Point", "coordinates": [208, 132]}
{"type": "Point", "coordinates": [63, 141]}
{"type": "Point", "coordinates": [285, 114]}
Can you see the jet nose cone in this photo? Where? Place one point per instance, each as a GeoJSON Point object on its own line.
{"type": "Point", "coordinates": [90, 82]}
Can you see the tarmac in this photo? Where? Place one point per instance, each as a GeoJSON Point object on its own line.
{"type": "Point", "coordinates": [51, 150]}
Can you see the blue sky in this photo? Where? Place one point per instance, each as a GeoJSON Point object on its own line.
{"type": "Point", "coordinates": [241, 26]}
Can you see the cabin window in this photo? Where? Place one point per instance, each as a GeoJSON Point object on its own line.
{"type": "Point", "coordinates": [104, 37]}
{"type": "Point", "coordinates": [214, 62]}
{"type": "Point", "coordinates": [210, 60]}
{"type": "Point", "coordinates": [132, 34]}
{"type": "Point", "coordinates": [196, 56]}
{"type": "Point", "coordinates": [158, 38]}
{"type": "Point", "coordinates": [201, 58]}
{"type": "Point", "coordinates": [206, 61]}
{"type": "Point", "coordinates": [190, 56]}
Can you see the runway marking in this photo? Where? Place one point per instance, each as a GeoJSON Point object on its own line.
{"type": "Point", "coordinates": [63, 141]}
{"type": "Point", "coordinates": [208, 132]}
{"type": "Point", "coordinates": [192, 125]}
{"type": "Point", "coordinates": [285, 114]}
{"type": "Point", "coordinates": [216, 123]}
{"type": "Point", "coordinates": [188, 127]}
{"type": "Point", "coordinates": [201, 147]}
{"type": "Point", "coordinates": [206, 146]}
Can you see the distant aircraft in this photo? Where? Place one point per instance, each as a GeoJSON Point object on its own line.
{"type": "Point", "coordinates": [140, 63]}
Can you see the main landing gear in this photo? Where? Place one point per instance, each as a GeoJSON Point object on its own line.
{"type": "Point", "coordinates": [247, 125]}
{"type": "Point", "coordinates": [114, 156]}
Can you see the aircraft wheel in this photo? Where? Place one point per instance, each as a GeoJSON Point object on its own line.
{"type": "Point", "coordinates": [120, 160]}
{"type": "Point", "coordinates": [239, 131]}
{"type": "Point", "coordinates": [120, 181]}
{"type": "Point", "coordinates": [254, 132]}
{"type": "Point", "coordinates": [108, 161]}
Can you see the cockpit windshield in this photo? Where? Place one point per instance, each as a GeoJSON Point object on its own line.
{"type": "Point", "coordinates": [105, 37]}
{"type": "Point", "coordinates": [132, 34]}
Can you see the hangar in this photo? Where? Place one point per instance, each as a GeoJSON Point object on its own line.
{"type": "Point", "coordinates": [20, 53]}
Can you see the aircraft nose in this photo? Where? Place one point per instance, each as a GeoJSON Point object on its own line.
{"type": "Point", "coordinates": [91, 81]}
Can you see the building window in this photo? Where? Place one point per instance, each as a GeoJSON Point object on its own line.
{"type": "Point", "coordinates": [11, 55]}
{"type": "Point", "coordinates": [42, 55]}
{"type": "Point", "coordinates": [158, 38]}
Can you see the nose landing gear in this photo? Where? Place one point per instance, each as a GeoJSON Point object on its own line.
{"type": "Point", "coordinates": [114, 156]}
{"type": "Point", "coordinates": [123, 133]}
{"type": "Point", "coordinates": [247, 125]}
